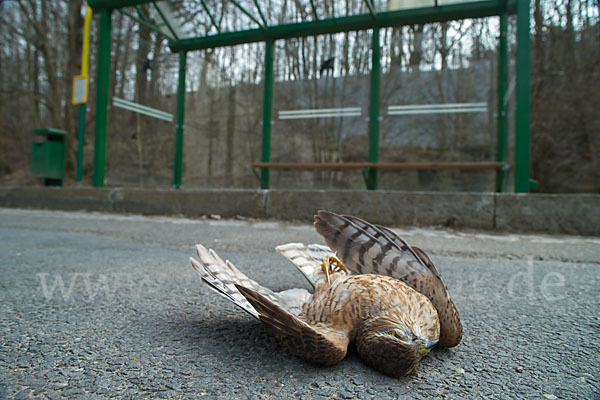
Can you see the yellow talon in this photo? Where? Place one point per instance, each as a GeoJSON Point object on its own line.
{"type": "Point", "coordinates": [325, 267]}
{"type": "Point", "coordinates": [331, 264]}
{"type": "Point", "coordinates": [337, 265]}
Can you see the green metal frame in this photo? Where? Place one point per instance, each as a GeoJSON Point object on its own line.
{"type": "Point", "coordinates": [267, 114]}
{"type": "Point", "coordinates": [99, 5]}
{"type": "Point", "coordinates": [248, 14]}
{"type": "Point", "coordinates": [210, 16]}
{"type": "Point", "coordinates": [373, 20]}
{"type": "Point", "coordinates": [178, 167]}
{"type": "Point", "coordinates": [372, 174]}
{"type": "Point", "coordinates": [102, 97]}
{"type": "Point", "coordinates": [523, 93]}
{"type": "Point", "coordinates": [262, 16]}
{"type": "Point", "coordinates": [314, 10]}
{"type": "Point", "coordinates": [371, 7]}
{"type": "Point", "coordinates": [423, 15]}
{"type": "Point", "coordinates": [146, 23]}
{"type": "Point", "coordinates": [502, 145]}
{"type": "Point", "coordinates": [80, 143]}
{"type": "Point", "coordinates": [166, 20]}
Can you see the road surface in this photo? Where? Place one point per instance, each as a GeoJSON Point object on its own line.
{"type": "Point", "coordinates": [104, 305]}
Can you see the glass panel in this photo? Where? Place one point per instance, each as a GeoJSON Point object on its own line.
{"type": "Point", "coordinates": [223, 116]}
{"type": "Point", "coordinates": [511, 100]}
{"type": "Point", "coordinates": [446, 2]}
{"type": "Point", "coordinates": [321, 106]}
{"type": "Point", "coordinates": [437, 99]}
{"type": "Point", "coordinates": [438, 104]}
{"type": "Point", "coordinates": [395, 5]}
{"type": "Point", "coordinates": [140, 142]}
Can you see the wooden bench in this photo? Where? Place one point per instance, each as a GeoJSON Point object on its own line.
{"type": "Point", "coordinates": [384, 165]}
{"type": "Point", "coordinates": [368, 169]}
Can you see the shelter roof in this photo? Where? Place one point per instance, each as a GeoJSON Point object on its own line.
{"type": "Point", "coordinates": [200, 24]}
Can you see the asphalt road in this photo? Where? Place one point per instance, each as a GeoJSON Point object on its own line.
{"type": "Point", "coordinates": [100, 306]}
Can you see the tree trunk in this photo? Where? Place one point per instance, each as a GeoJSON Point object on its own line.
{"type": "Point", "coordinates": [33, 66]}
{"type": "Point", "coordinates": [416, 53]}
{"type": "Point", "coordinates": [75, 40]}
{"type": "Point", "coordinates": [156, 68]}
{"type": "Point", "coordinates": [229, 150]}
{"type": "Point", "coordinates": [141, 88]}
{"type": "Point", "coordinates": [443, 45]}
{"type": "Point", "coordinates": [48, 51]}
{"type": "Point", "coordinates": [118, 71]}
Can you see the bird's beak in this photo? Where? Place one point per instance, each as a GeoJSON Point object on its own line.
{"type": "Point", "coordinates": [427, 345]}
{"type": "Point", "coordinates": [430, 344]}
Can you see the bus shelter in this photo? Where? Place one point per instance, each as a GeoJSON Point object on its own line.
{"type": "Point", "coordinates": [377, 16]}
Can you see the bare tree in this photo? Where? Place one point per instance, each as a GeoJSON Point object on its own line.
{"type": "Point", "coordinates": [41, 43]}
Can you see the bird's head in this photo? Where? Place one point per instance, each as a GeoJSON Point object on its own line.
{"type": "Point", "coordinates": [391, 346]}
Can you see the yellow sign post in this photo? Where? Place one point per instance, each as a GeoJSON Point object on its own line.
{"type": "Point", "coordinates": [80, 82]}
{"type": "Point", "coordinates": [80, 91]}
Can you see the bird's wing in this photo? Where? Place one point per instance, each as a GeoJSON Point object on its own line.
{"type": "Point", "coordinates": [403, 244]}
{"type": "Point", "coordinates": [367, 248]}
{"type": "Point", "coordinates": [427, 261]}
{"type": "Point", "coordinates": [222, 276]}
{"type": "Point", "coordinates": [317, 343]}
{"type": "Point", "coordinates": [307, 259]}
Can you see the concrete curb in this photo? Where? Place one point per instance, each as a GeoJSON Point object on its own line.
{"type": "Point", "coordinates": [543, 213]}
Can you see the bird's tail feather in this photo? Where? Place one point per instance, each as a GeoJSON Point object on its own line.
{"type": "Point", "coordinates": [317, 343]}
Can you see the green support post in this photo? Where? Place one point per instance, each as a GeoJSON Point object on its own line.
{"type": "Point", "coordinates": [372, 174]}
{"type": "Point", "coordinates": [80, 142]}
{"type": "Point", "coordinates": [267, 113]}
{"type": "Point", "coordinates": [178, 168]}
{"type": "Point", "coordinates": [102, 85]}
{"type": "Point", "coordinates": [502, 116]}
{"type": "Point", "coordinates": [523, 95]}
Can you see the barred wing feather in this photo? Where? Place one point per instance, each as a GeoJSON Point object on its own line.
{"type": "Point", "coordinates": [367, 248]}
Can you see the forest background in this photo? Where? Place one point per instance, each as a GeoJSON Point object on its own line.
{"type": "Point", "coordinates": [453, 62]}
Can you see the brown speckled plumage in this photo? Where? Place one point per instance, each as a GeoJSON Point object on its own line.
{"type": "Point", "coordinates": [367, 248]}
{"type": "Point", "coordinates": [385, 303]}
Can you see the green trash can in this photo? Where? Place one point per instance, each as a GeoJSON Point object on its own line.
{"type": "Point", "coordinates": [48, 156]}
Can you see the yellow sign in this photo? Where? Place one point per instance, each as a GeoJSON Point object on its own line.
{"type": "Point", "coordinates": [80, 89]}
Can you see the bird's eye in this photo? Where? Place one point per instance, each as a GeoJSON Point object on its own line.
{"type": "Point", "coordinates": [396, 335]}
